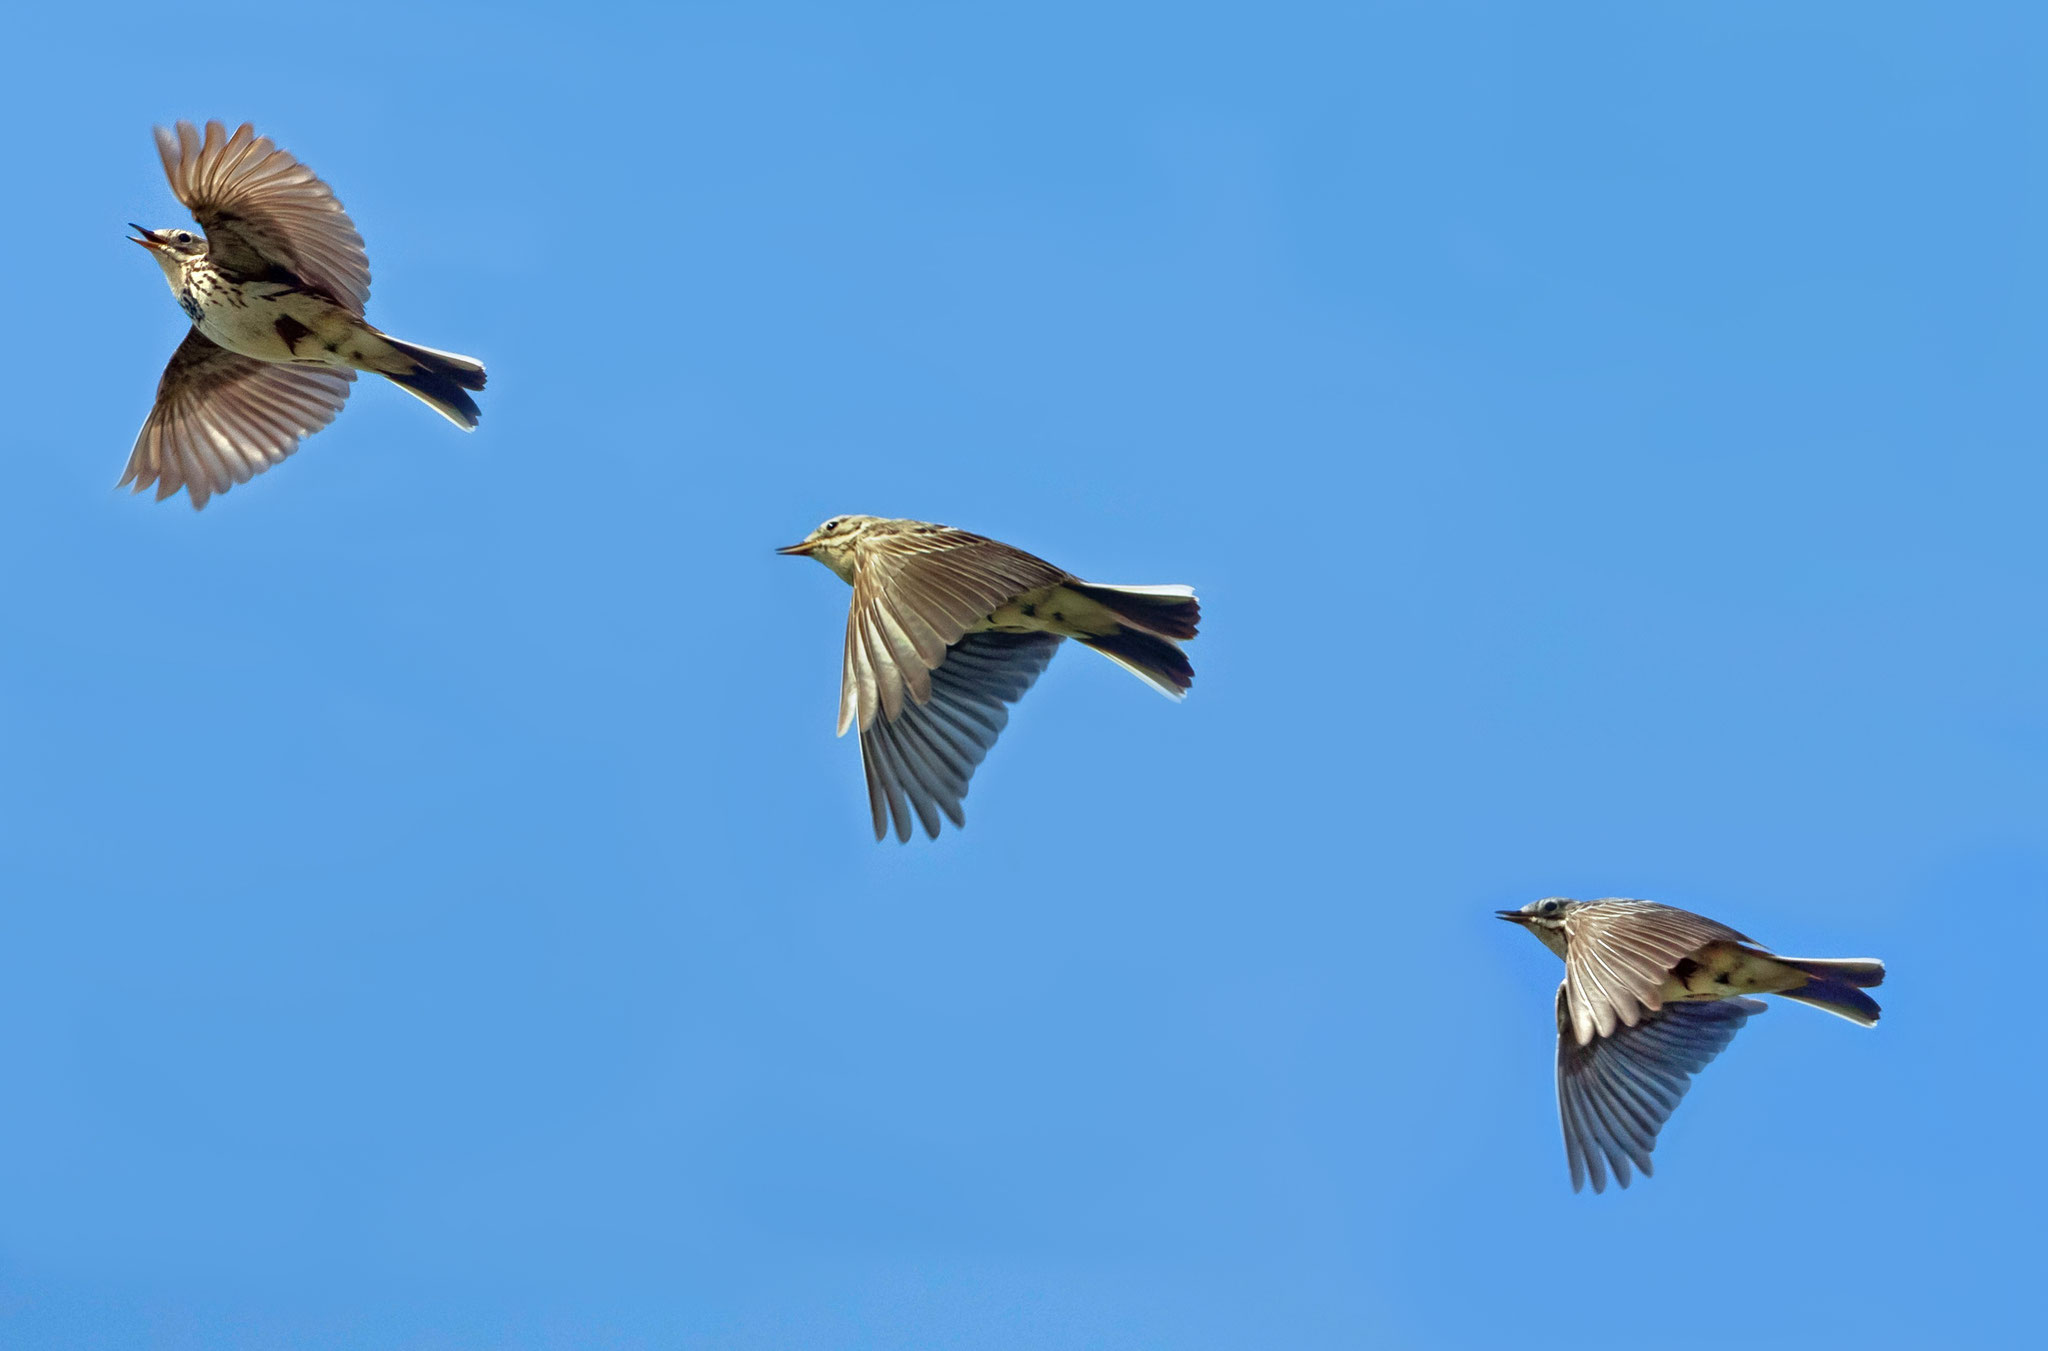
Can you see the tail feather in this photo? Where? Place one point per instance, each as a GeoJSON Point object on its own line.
{"type": "Point", "coordinates": [1169, 611]}
{"type": "Point", "coordinates": [441, 381]}
{"type": "Point", "coordinates": [1155, 660]}
{"type": "Point", "coordinates": [1837, 986]}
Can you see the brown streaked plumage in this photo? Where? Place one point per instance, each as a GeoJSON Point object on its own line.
{"type": "Point", "coordinates": [275, 291]}
{"type": "Point", "coordinates": [947, 629]}
{"type": "Point", "coordinates": [1651, 995]}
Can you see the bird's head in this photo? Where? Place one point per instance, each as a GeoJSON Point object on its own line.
{"type": "Point", "coordinates": [172, 249]}
{"type": "Point", "coordinates": [835, 543]}
{"type": "Point", "coordinates": [1545, 919]}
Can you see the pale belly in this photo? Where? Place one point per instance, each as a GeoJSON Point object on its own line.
{"type": "Point", "coordinates": [1724, 970]}
{"type": "Point", "coordinates": [275, 323]}
{"type": "Point", "coordinates": [1053, 609]}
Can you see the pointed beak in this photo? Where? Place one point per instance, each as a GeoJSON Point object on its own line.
{"type": "Point", "coordinates": [796, 550]}
{"type": "Point", "coordinates": [1513, 916]}
{"type": "Point", "coordinates": [148, 240]}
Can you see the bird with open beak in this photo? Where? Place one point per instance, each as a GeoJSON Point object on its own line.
{"type": "Point", "coordinates": [275, 290]}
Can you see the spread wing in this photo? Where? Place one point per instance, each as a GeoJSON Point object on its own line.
{"type": "Point", "coordinates": [222, 418]}
{"type": "Point", "coordinates": [1618, 954]}
{"type": "Point", "coordinates": [921, 757]}
{"type": "Point", "coordinates": [914, 595]}
{"type": "Point", "coordinates": [263, 209]}
{"type": "Point", "coordinates": [1615, 1093]}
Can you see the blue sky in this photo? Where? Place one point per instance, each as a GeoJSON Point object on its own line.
{"type": "Point", "coordinates": [1607, 441]}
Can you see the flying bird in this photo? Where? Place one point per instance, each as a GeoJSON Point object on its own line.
{"type": "Point", "coordinates": [1651, 994]}
{"type": "Point", "coordinates": [275, 291]}
{"type": "Point", "coordinates": [947, 629]}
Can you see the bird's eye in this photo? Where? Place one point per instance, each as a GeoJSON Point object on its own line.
{"type": "Point", "coordinates": [184, 237]}
{"type": "Point", "coordinates": [831, 525]}
{"type": "Point", "coordinates": [1547, 908]}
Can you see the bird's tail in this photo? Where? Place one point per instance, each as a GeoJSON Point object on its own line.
{"type": "Point", "coordinates": [1837, 985]}
{"type": "Point", "coordinates": [1151, 622]}
{"type": "Point", "coordinates": [441, 380]}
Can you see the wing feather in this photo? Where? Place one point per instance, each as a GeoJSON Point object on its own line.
{"type": "Point", "coordinates": [886, 771]}
{"type": "Point", "coordinates": [1618, 954]}
{"type": "Point", "coordinates": [918, 592]}
{"type": "Point", "coordinates": [221, 418]}
{"type": "Point", "coordinates": [1615, 1093]}
{"type": "Point", "coordinates": [921, 757]}
{"type": "Point", "coordinates": [262, 208]}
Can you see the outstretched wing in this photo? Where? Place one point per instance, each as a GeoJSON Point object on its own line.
{"type": "Point", "coordinates": [1618, 953]}
{"type": "Point", "coordinates": [222, 418]}
{"type": "Point", "coordinates": [1615, 1093]}
{"type": "Point", "coordinates": [914, 595]}
{"type": "Point", "coordinates": [920, 757]}
{"type": "Point", "coordinates": [263, 209]}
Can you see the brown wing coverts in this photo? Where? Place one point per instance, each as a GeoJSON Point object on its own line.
{"type": "Point", "coordinates": [921, 758]}
{"type": "Point", "coordinates": [222, 418]}
{"type": "Point", "coordinates": [1615, 1093]}
{"type": "Point", "coordinates": [261, 207]}
{"type": "Point", "coordinates": [915, 595]}
{"type": "Point", "coordinates": [1613, 971]}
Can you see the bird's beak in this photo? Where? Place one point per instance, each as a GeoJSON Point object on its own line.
{"type": "Point", "coordinates": [148, 240]}
{"type": "Point", "coordinates": [796, 550]}
{"type": "Point", "coordinates": [1513, 916]}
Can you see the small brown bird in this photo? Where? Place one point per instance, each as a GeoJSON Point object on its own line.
{"type": "Point", "coordinates": [275, 292]}
{"type": "Point", "coordinates": [1651, 994]}
{"type": "Point", "coordinates": [947, 628]}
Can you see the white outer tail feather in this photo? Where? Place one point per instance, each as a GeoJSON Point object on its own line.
{"type": "Point", "coordinates": [453, 358]}
{"type": "Point", "coordinates": [1186, 592]}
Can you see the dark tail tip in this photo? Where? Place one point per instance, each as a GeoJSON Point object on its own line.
{"type": "Point", "coordinates": [1167, 615]}
{"type": "Point", "coordinates": [445, 393]}
{"type": "Point", "coordinates": [462, 371]}
{"type": "Point", "coordinates": [1153, 657]}
{"type": "Point", "coordinates": [1838, 997]}
{"type": "Point", "coordinates": [466, 374]}
{"type": "Point", "coordinates": [1862, 972]}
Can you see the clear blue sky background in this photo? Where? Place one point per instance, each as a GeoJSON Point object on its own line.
{"type": "Point", "coordinates": [1608, 442]}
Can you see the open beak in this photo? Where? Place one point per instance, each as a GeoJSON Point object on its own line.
{"type": "Point", "coordinates": [148, 240]}
{"type": "Point", "coordinates": [796, 550]}
{"type": "Point", "coordinates": [1514, 916]}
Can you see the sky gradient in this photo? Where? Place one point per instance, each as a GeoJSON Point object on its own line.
{"type": "Point", "coordinates": [1608, 446]}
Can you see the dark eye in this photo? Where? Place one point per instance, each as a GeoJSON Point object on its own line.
{"type": "Point", "coordinates": [831, 525]}
{"type": "Point", "coordinates": [184, 237]}
{"type": "Point", "coordinates": [1549, 907]}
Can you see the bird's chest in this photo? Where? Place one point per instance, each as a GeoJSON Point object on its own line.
{"type": "Point", "coordinates": [1724, 970]}
{"type": "Point", "coordinates": [264, 320]}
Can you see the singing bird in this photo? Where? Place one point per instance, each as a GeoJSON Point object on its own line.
{"type": "Point", "coordinates": [1651, 994]}
{"type": "Point", "coordinates": [275, 291]}
{"type": "Point", "coordinates": [948, 628]}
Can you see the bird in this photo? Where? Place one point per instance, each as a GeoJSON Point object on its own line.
{"type": "Point", "coordinates": [947, 628]}
{"type": "Point", "coordinates": [1651, 994]}
{"type": "Point", "coordinates": [275, 289]}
